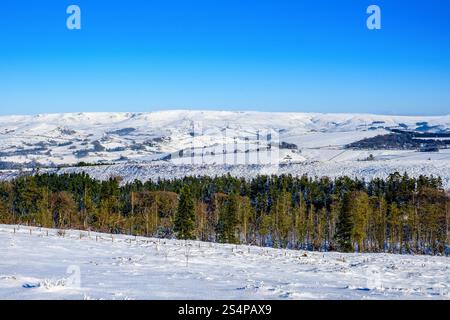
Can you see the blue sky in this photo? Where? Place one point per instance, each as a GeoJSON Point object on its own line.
{"type": "Point", "coordinates": [278, 55]}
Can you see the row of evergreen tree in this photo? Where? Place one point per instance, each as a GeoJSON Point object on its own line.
{"type": "Point", "coordinates": [399, 214]}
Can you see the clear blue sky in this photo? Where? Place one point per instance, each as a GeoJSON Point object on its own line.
{"type": "Point", "coordinates": [278, 55]}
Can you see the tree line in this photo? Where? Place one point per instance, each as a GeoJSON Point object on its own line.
{"type": "Point", "coordinates": [399, 214]}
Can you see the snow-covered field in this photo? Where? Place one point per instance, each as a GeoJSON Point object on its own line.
{"type": "Point", "coordinates": [44, 265]}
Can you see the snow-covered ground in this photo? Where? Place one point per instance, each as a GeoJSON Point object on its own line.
{"type": "Point", "coordinates": [44, 265]}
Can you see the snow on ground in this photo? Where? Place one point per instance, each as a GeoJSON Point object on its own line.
{"type": "Point", "coordinates": [44, 265]}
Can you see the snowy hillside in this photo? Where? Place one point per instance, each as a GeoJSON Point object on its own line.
{"type": "Point", "coordinates": [360, 169]}
{"type": "Point", "coordinates": [81, 265]}
{"type": "Point", "coordinates": [180, 139]}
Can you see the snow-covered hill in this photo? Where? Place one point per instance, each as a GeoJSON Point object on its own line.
{"type": "Point", "coordinates": [214, 139]}
{"type": "Point", "coordinates": [42, 264]}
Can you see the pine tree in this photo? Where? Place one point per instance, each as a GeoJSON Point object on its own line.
{"type": "Point", "coordinates": [310, 226]}
{"type": "Point", "coordinates": [3, 212]}
{"type": "Point", "coordinates": [201, 212]}
{"type": "Point", "coordinates": [246, 213]}
{"type": "Point", "coordinates": [281, 213]}
{"type": "Point", "coordinates": [300, 221]}
{"type": "Point", "coordinates": [184, 225]}
{"type": "Point", "coordinates": [6, 200]}
{"type": "Point", "coordinates": [377, 222]}
{"type": "Point", "coordinates": [344, 226]}
{"type": "Point", "coordinates": [228, 219]}
{"type": "Point", "coordinates": [359, 212]}
{"type": "Point", "coordinates": [335, 209]}
{"type": "Point", "coordinates": [321, 228]}
{"type": "Point", "coordinates": [264, 228]}
{"type": "Point", "coordinates": [394, 226]}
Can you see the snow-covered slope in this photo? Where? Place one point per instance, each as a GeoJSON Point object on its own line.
{"type": "Point", "coordinates": [84, 265]}
{"type": "Point", "coordinates": [213, 138]}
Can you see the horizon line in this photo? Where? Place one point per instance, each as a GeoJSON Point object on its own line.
{"type": "Point", "coordinates": [175, 109]}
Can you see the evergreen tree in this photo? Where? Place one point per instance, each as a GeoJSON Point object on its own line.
{"type": "Point", "coordinates": [344, 226]}
{"type": "Point", "coordinates": [300, 221]}
{"type": "Point", "coordinates": [359, 212]}
{"type": "Point", "coordinates": [335, 209]}
{"type": "Point", "coordinates": [201, 211]}
{"type": "Point", "coordinates": [246, 216]}
{"type": "Point", "coordinates": [228, 219]}
{"type": "Point", "coordinates": [4, 218]}
{"type": "Point", "coordinates": [394, 226]}
{"type": "Point", "coordinates": [281, 213]}
{"type": "Point", "coordinates": [264, 228]}
{"type": "Point", "coordinates": [377, 222]}
{"type": "Point", "coordinates": [184, 225]}
{"type": "Point", "coordinates": [7, 215]}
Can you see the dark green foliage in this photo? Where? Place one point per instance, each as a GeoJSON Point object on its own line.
{"type": "Point", "coordinates": [344, 226]}
{"type": "Point", "coordinates": [185, 217]}
{"type": "Point", "coordinates": [399, 214]}
{"type": "Point", "coordinates": [228, 220]}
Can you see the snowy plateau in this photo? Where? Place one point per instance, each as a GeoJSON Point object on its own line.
{"type": "Point", "coordinates": [177, 143]}
{"type": "Point", "coordinates": [48, 264]}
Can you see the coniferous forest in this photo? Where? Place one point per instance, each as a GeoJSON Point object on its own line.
{"type": "Point", "coordinates": [399, 214]}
